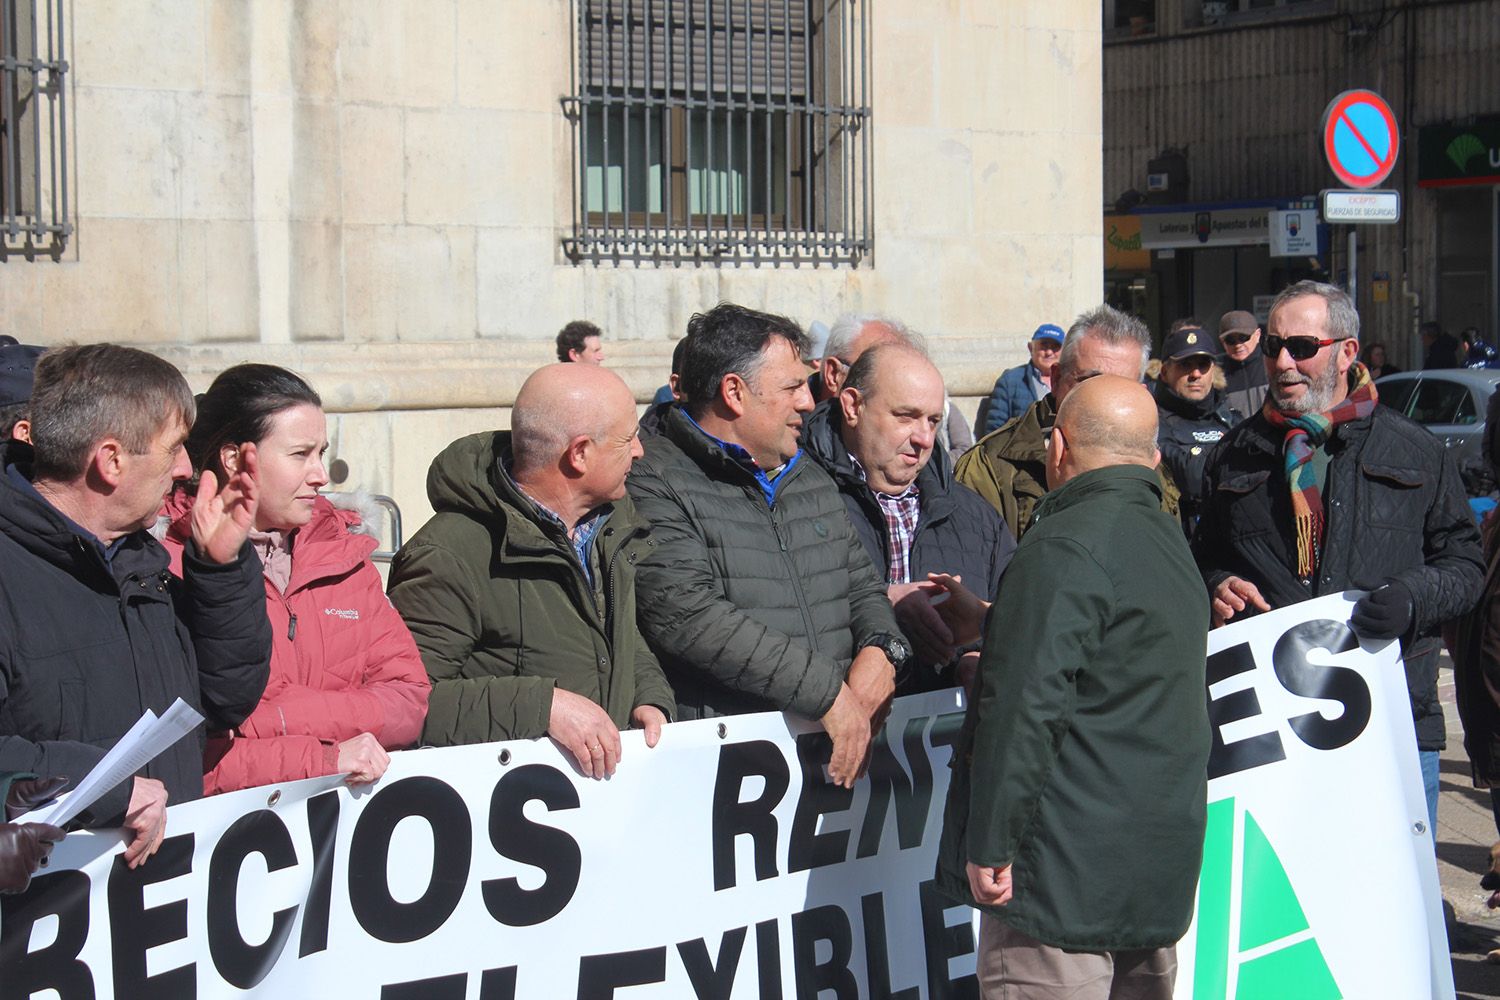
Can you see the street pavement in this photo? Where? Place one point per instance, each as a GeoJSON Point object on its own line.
{"type": "Point", "coordinates": [1466, 829]}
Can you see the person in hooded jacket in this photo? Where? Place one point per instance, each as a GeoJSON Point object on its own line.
{"type": "Point", "coordinates": [347, 684]}
{"type": "Point", "coordinates": [94, 629]}
{"type": "Point", "coordinates": [521, 588]}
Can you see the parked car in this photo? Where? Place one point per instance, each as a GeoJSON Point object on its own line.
{"type": "Point", "coordinates": [1449, 402]}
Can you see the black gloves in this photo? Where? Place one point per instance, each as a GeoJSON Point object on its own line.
{"type": "Point", "coordinates": [26, 794]}
{"type": "Point", "coordinates": [1385, 614]}
{"type": "Point", "coordinates": [23, 849]}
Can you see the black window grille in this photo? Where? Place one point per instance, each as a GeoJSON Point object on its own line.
{"type": "Point", "coordinates": [721, 131]}
{"type": "Point", "coordinates": [33, 129]}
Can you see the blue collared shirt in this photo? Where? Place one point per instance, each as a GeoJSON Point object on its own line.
{"type": "Point", "coordinates": [768, 484]}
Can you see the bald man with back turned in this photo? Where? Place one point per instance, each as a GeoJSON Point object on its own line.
{"type": "Point", "coordinates": [520, 591]}
{"type": "Point", "coordinates": [1075, 813]}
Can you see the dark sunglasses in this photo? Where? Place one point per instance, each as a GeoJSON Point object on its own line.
{"type": "Point", "coordinates": [1234, 339]}
{"type": "Point", "coordinates": [1300, 348]}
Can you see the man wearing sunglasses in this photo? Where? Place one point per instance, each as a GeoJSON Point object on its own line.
{"type": "Point", "coordinates": [1192, 413]}
{"type": "Point", "coordinates": [1245, 384]}
{"type": "Point", "coordinates": [1324, 491]}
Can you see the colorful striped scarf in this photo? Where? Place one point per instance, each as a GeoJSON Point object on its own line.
{"type": "Point", "coordinates": [1305, 434]}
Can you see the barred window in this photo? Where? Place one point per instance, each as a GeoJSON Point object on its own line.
{"type": "Point", "coordinates": [721, 131]}
{"type": "Point", "coordinates": [33, 129]}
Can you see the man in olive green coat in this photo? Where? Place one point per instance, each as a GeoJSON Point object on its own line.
{"type": "Point", "coordinates": [520, 591]}
{"type": "Point", "coordinates": [1008, 466]}
{"type": "Point", "coordinates": [1075, 816]}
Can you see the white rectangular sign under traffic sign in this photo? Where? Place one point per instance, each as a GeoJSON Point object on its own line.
{"type": "Point", "coordinates": [1294, 233]}
{"type": "Point", "coordinates": [1361, 206]}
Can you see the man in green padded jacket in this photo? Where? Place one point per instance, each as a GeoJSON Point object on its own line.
{"type": "Point", "coordinates": [1075, 816]}
{"type": "Point", "coordinates": [520, 591]}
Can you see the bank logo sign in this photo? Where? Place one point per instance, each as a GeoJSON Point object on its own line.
{"type": "Point", "coordinates": [1467, 146]}
{"type": "Point", "coordinates": [1455, 155]}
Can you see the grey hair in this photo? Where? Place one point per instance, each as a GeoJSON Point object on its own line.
{"type": "Point", "coordinates": [846, 329]}
{"type": "Point", "coordinates": [1111, 326]}
{"type": "Point", "coordinates": [1343, 318]}
{"type": "Point", "coordinates": [86, 393]}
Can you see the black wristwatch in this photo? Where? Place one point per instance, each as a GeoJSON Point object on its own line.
{"type": "Point", "coordinates": [893, 645]}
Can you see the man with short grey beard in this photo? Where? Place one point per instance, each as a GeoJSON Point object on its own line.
{"type": "Point", "coordinates": [1324, 491]}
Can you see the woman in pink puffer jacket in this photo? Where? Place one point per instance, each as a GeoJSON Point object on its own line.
{"type": "Point", "coordinates": [347, 683]}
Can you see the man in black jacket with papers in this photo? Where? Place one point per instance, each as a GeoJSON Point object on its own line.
{"type": "Point", "coordinates": [94, 630]}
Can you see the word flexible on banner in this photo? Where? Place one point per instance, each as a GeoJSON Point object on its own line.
{"type": "Point", "coordinates": [722, 864]}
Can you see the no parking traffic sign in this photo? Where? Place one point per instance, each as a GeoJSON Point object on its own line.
{"type": "Point", "coordinates": [1360, 138]}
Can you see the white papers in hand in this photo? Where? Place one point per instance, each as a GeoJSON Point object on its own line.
{"type": "Point", "coordinates": [148, 737]}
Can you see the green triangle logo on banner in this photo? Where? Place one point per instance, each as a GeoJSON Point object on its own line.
{"type": "Point", "coordinates": [1286, 963]}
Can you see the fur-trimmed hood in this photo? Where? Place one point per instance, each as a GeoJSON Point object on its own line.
{"type": "Point", "coordinates": [360, 503]}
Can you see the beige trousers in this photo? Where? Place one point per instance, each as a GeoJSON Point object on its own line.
{"type": "Point", "coordinates": [1013, 966]}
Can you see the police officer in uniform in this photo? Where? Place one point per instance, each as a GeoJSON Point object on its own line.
{"type": "Point", "coordinates": [1193, 414]}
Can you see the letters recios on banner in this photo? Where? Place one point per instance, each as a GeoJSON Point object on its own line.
{"type": "Point", "coordinates": [708, 864]}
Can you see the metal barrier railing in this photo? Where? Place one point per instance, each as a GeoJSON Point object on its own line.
{"type": "Point", "coordinates": [392, 513]}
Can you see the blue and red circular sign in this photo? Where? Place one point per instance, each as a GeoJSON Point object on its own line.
{"type": "Point", "coordinates": [1360, 138]}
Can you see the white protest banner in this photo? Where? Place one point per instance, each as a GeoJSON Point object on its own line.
{"type": "Point", "coordinates": [722, 865]}
{"type": "Point", "coordinates": [1319, 879]}
{"type": "Point", "coordinates": [710, 866]}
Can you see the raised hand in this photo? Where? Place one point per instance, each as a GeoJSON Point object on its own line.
{"type": "Point", "coordinates": [223, 515]}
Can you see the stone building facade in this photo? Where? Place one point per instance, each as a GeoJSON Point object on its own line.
{"type": "Point", "coordinates": [382, 195]}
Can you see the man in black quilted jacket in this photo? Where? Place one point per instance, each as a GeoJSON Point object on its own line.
{"type": "Point", "coordinates": [758, 596]}
{"type": "Point", "coordinates": [1323, 491]}
{"type": "Point", "coordinates": [94, 629]}
{"type": "Point", "coordinates": [877, 439]}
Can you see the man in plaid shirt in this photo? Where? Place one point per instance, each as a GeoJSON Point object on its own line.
{"type": "Point", "coordinates": [876, 439]}
{"type": "Point", "coordinates": [901, 513]}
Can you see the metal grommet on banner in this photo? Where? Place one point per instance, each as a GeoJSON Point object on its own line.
{"type": "Point", "coordinates": [504, 757]}
{"type": "Point", "coordinates": [723, 730]}
{"type": "Point", "coordinates": [274, 798]}
{"type": "Point", "coordinates": [1419, 828]}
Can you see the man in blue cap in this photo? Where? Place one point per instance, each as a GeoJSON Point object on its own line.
{"type": "Point", "coordinates": [1017, 388]}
